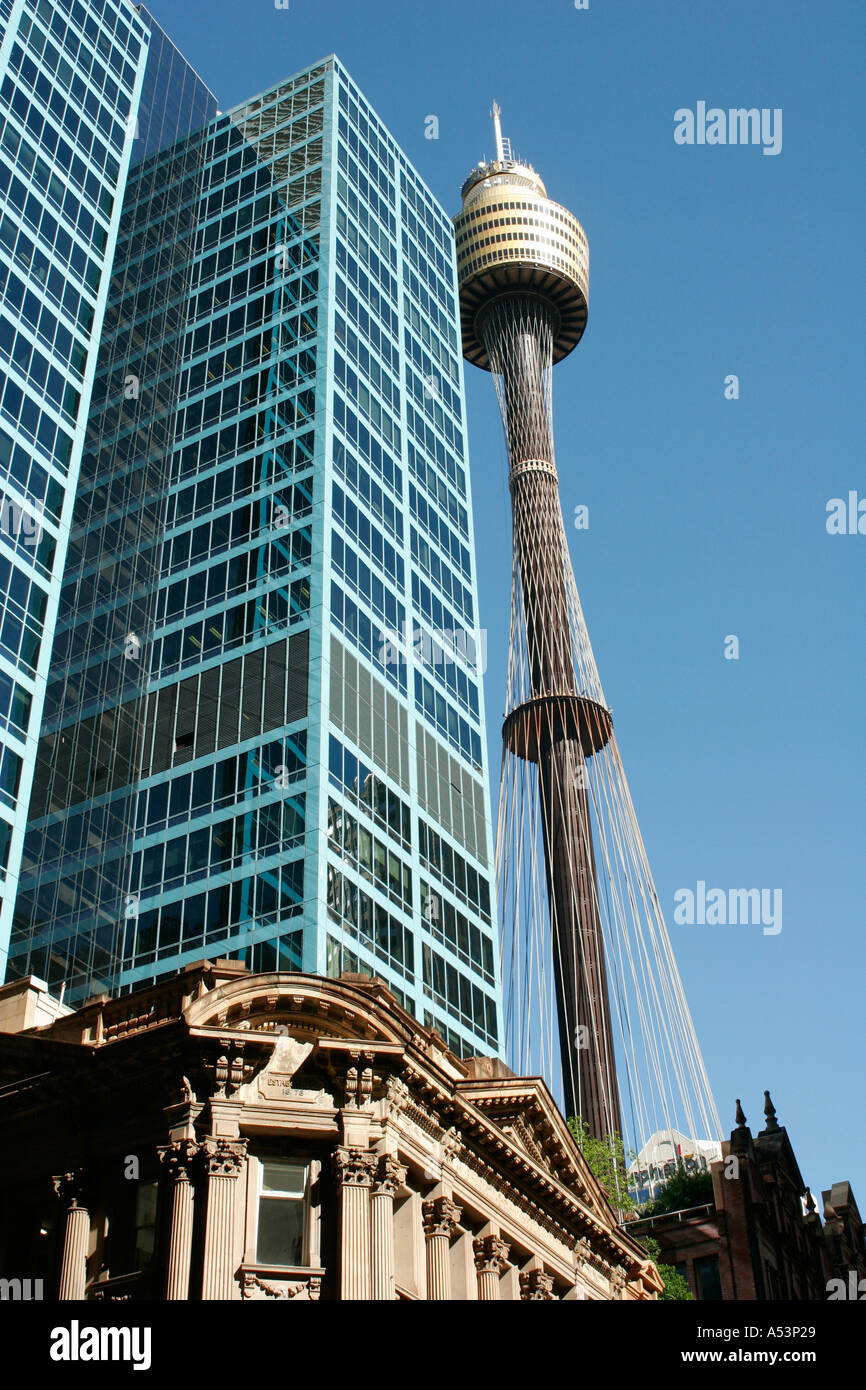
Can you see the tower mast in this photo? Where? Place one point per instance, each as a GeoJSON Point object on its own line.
{"type": "Point", "coordinates": [523, 270]}
{"type": "Point", "coordinates": [590, 950]}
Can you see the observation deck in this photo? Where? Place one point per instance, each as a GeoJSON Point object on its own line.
{"type": "Point", "coordinates": [512, 238]}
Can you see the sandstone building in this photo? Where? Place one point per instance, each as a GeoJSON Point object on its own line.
{"type": "Point", "coordinates": [223, 1135]}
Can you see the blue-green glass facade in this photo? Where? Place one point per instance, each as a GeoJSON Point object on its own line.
{"type": "Point", "coordinates": [265, 729]}
{"type": "Point", "coordinates": [73, 79]}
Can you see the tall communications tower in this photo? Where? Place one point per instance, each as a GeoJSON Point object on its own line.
{"type": "Point", "coordinates": [593, 988]}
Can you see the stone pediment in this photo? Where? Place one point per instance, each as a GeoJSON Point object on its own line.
{"type": "Point", "coordinates": [521, 1134]}
{"type": "Point", "coordinates": [524, 1112]}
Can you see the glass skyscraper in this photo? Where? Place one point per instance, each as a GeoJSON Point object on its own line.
{"type": "Point", "coordinates": [264, 732]}
{"type": "Point", "coordinates": [75, 77]}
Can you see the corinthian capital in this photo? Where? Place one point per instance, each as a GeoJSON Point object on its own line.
{"type": "Point", "coordinates": [178, 1159]}
{"type": "Point", "coordinates": [390, 1175]}
{"type": "Point", "coordinates": [491, 1254]}
{"type": "Point", "coordinates": [535, 1284]}
{"type": "Point", "coordinates": [224, 1158]}
{"type": "Point", "coordinates": [354, 1167]}
{"type": "Point", "coordinates": [441, 1217]}
{"type": "Point", "coordinates": [69, 1187]}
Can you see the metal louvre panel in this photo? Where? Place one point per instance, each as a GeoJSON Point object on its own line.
{"type": "Point", "coordinates": [163, 729]}
{"type": "Point", "coordinates": [380, 742]}
{"type": "Point", "coordinates": [350, 697]}
{"type": "Point", "coordinates": [404, 747]}
{"type": "Point", "coordinates": [187, 693]}
{"type": "Point", "coordinates": [276, 657]}
{"type": "Point", "coordinates": [391, 733]}
{"type": "Point", "coordinates": [298, 676]}
{"type": "Point", "coordinates": [337, 685]}
{"type": "Point", "coordinates": [251, 691]}
{"type": "Point", "coordinates": [365, 712]}
{"type": "Point", "coordinates": [226, 703]}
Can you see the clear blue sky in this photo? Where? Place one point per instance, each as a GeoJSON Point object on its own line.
{"type": "Point", "coordinates": [707, 516]}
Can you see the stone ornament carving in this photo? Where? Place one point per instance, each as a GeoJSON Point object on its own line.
{"type": "Point", "coordinates": [441, 1217]}
{"type": "Point", "coordinates": [307, 1290]}
{"type": "Point", "coordinates": [224, 1158]}
{"type": "Point", "coordinates": [452, 1143]}
{"type": "Point", "coordinates": [491, 1254]}
{"type": "Point", "coordinates": [618, 1281]}
{"type": "Point", "coordinates": [390, 1176]}
{"type": "Point", "coordinates": [536, 1285]}
{"type": "Point", "coordinates": [354, 1167]}
{"type": "Point", "coordinates": [359, 1079]}
{"type": "Point", "coordinates": [230, 1070]}
{"type": "Point", "coordinates": [397, 1093]}
{"type": "Point", "coordinates": [276, 1080]}
{"type": "Point", "coordinates": [583, 1251]}
{"type": "Point", "coordinates": [179, 1159]}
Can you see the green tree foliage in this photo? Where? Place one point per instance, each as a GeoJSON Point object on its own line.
{"type": "Point", "coordinates": [682, 1190]}
{"type": "Point", "coordinates": [606, 1159]}
{"type": "Point", "coordinates": [675, 1286]}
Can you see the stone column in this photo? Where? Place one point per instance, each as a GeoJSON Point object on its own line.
{"type": "Point", "coordinates": [353, 1172]}
{"type": "Point", "coordinates": [73, 1268]}
{"type": "Point", "coordinates": [389, 1176]}
{"type": "Point", "coordinates": [535, 1284]}
{"type": "Point", "coordinates": [491, 1253]}
{"type": "Point", "coordinates": [440, 1221]}
{"type": "Point", "coordinates": [178, 1161]}
{"type": "Point", "coordinates": [223, 1161]}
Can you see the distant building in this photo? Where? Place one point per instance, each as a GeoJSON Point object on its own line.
{"type": "Point", "coordinates": [760, 1238]}
{"type": "Point", "coordinates": [224, 1135]}
{"type": "Point", "coordinates": [661, 1155]}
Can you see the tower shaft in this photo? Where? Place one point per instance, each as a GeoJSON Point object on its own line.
{"type": "Point", "coordinates": [517, 330]}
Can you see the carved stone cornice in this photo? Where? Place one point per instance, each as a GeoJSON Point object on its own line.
{"type": "Point", "coordinates": [180, 1159]}
{"type": "Point", "coordinates": [353, 1167]}
{"type": "Point", "coordinates": [441, 1217]}
{"type": "Point", "coordinates": [224, 1158]}
{"type": "Point", "coordinates": [491, 1254]}
{"type": "Point", "coordinates": [536, 1285]}
{"type": "Point", "coordinates": [69, 1188]}
{"type": "Point", "coordinates": [389, 1176]}
{"type": "Point", "coordinates": [618, 1280]}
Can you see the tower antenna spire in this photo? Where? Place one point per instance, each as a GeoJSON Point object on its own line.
{"type": "Point", "coordinates": [496, 112]}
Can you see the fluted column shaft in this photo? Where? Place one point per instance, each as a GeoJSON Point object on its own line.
{"type": "Point", "coordinates": [73, 1267]}
{"type": "Point", "coordinates": [178, 1160]}
{"type": "Point", "coordinates": [224, 1160]}
{"type": "Point", "coordinates": [389, 1177]}
{"type": "Point", "coordinates": [441, 1217]}
{"type": "Point", "coordinates": [353, 1172]}
{"type": "Point", "coordinates": [491, 1254]}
